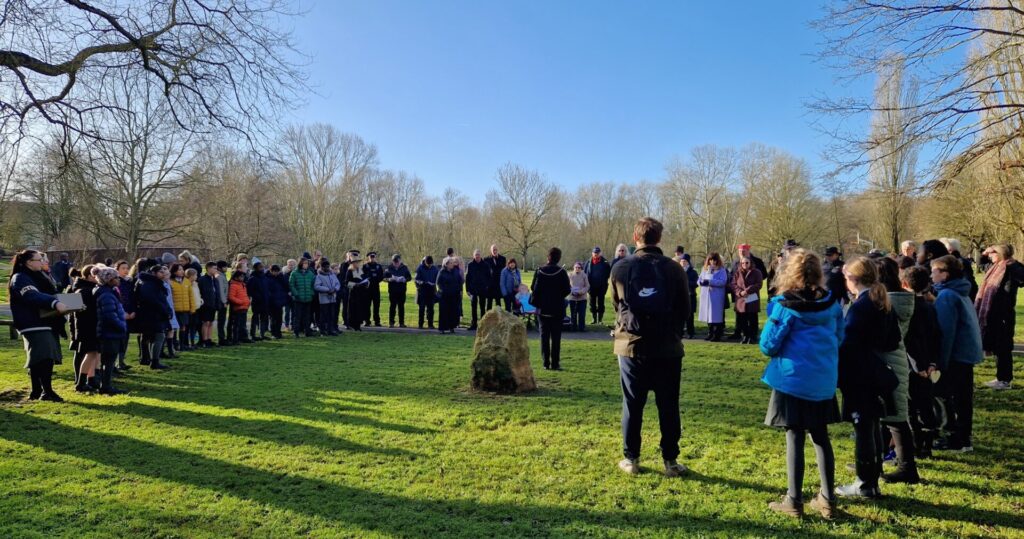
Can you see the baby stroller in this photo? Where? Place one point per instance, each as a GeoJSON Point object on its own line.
{"type": "Point", "coordinates": [522, 308]}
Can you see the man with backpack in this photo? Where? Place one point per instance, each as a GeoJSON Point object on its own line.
{"type": "Point", "coordinates": [651, 296]}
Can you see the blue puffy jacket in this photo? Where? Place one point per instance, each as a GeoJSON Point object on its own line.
{"type": "Point", "coordinates": [510, 281]}
{"type": "Point", "coordinates": [110, 322]}
{"type": "Point", "coordinates": [802, 336]}
{"type": "Point", "coordinates": [961, 333]}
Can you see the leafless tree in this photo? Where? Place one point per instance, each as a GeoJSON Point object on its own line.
{"type": "Point", "coordinates": [219, 64]}
{"type": "Point", "coordinates": [701, 194]}
{"type": "Point", "coordinates": [519, 206]}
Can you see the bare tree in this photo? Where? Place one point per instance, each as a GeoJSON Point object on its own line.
{"type": "Point", "coordinates": [786, 206]}
{"type": "Point", "coordinates": [520, 205]}
{"type": "Point", "coordinates": [700, 194]}
{"type": "Point", "coordinates": [894, 149]}
{"type": "Point", "coordinates": [219, 64]}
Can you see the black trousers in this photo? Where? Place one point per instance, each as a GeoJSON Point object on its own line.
{"type": "Point", "coordinates": [688, 326]}
{"type": "Point", "coordinates": [490, 301]}
{"type": "Point", "coordinates": [222, 321]}
{"type": "Point", "coordinates": [867, 450]}
{"type": "Point", "coordinates": [477, 304]}
{"type": "Point", "coordinates": [41, 375]}
{"type": "Point", "coordinates": [276, 318]}
{"type": "Point", "coordinates": [551, 340]}
{"type": "Point", "coordinates": [109, 351]}
{"type": "Point", "coordinates": [301, 318]}
{"type": "Point", "coordinates": [374, 309]}
{"type": "Point", "coordinates": [638, 378]}
{"type": "Point", "coordinates": [746, 325]}
{"type": "Point", "coordinates": [396, 302]}
{"type": "Point", "coordinates": [509, 301]}
{"type": "Point", "coordinates": [957, 388]}
{"type": "Point", "coordinates": [428, 310]}
{"type": "Point", "coordinates": [260, 322]}
{"type": "Point", "coordinates": [236, 326]}
{"type": "Point", "coordinates": [328, 318]}
{"type": "Point", "coordinates": [597, 302]}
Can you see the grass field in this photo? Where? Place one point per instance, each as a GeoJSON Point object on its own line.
{"type": "Point", "coordinates": [379, 435]}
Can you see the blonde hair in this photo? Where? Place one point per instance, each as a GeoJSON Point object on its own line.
{"type": "Point", "coordinates": [801, 269]}
{"type": "Point", "coordinates": [191, 274]}
{"type": "Point", "coordinates": [863, 270]}
{"type": "Point", "coordinates": [1004, 250]}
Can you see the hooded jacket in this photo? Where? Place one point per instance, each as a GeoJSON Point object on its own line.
{"type": "Point", "coordinates": [802, 336]}
{"type": "Point", "coordinates": [327, 286]}
{"type": "Point", "coordinates": [277, 290]}
{"type": "Point", "coordinates": [870, 332]}
{"type": "Point", "coordinates": [153, 313]}
{"type": "Point", "coordinates": [903, 307]}
{"type": "Point", "coordinates": [961, 333]}
{"type": "Point", "coordinates": [110, 322]}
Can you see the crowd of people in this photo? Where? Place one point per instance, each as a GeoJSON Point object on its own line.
{"type": "Point", "coordinates": [893, 334]}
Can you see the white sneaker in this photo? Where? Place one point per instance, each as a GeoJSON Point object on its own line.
{"type": "Point", "coordinates": [630, 466]}
{"type": "Point", "coordinates": [999, 385]}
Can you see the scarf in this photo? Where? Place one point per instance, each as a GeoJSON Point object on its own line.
{"type": "Point", "coordinates": [987, 294]}
{"type": "Point", "coordinates": [595, 259]}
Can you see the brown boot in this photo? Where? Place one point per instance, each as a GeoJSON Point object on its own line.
{"type": "Point", "coordinates": [788, 506]}
{"type": "Point", "coordinates": [825, 506]}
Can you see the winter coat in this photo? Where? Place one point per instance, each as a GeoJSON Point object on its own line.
{"type": "Point", "coordinates": [238, 296]}
{"type": "Point", "coordinates": [256, 286]}
{"type": "Point", "coordinates": [327, 286]}
{"type": "Point", "coordinates": [60, 271]}
{"type": "Point", "coordinates": [903, 307]}
{"type": "Point", "coordinates": [375, 273]}
{"type": "Point", "coordinates": [426, 284]}
{"type": "Point", "coordinates": [924, 336]}
{"type": "Point", "coordinates": [126, 293]}
{"type": "Point", "coordinates": [449, 284]}
{"type": "Point", "coordinates": [495, 264]}
{"type": "Point", "coordinates": [110, 322]}
{"type": "Point", "coordinates": [182, 295]}
{"type": "Point", "coordinates": [300, 283]}
{"type": "Point", "coordinates": [802, 336]}
{"type": "Point", "coordinates": [83, 323]}
{"type": "Point", "coordinates": [667, 345]}
{"type": "Point", "coordinates": [749, 282]}
{"type": "Point", "coordinates": [835, 281]}
{"type": "Point", "coordinates": [961, 334]}
{"type": "Point", "coordinates": [598, 275]}
{"type": "Point", "coordinates": [209, 290]}
{"type": "Point", "coordinates": [153, 313]}
{"type": "Point", "coordinates": [31, 292]}
{"type": "Point", "coordinates": [170, 301]}
{"type": "Point", "coordinates": [197, 297]}
{"type": "Point", "coordinates": [478, 278]}
{"type": "Point", "coordinates": [550, 286]}
{"type": "Point", "coordinates": [712, 295]}
{"type": "Point", "coordinates": [579, 286]}
{"type": "Point", "coordinates": [398, 279]}
{"type": "Point", "coordinates": [691, 279]}
{"type": "Point", "coordinates": [222, 280]}
{"type": "Point", "coordinates": [997, 330]}
{"type": "Point", "coordinates": [510, 281]}
{"type": "Point", "coordinates": [277, 290]}
{"type": "Point", "coordinates": [870, 332]}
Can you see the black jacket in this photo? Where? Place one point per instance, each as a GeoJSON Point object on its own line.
{"type": "Point", "coordinates": [495, 264]}
{"type": "Point", "coordinates": [396, 289]}
{"type": "Point", "coordinates": [479, 278]}
{"type": "Point", "coordinates": [598, 275]}
{"type": "Point", "coordinates": [209, 290]}
{"type": "Point", "coordinates": [869, 333]}
{"type": "Point", "coordinates": [998, 332]}
{"type": "Point", "coordinates": [277, 290]}
{"type": "Point", "coordinates": [83, 323]}
{"type": "Point", "coordinates": [449, 284]}
{"type": "Point", "coordinates": [550, 287]}
{"type": "Point", "coordinates": [924, 335]}
{"type": "Point", "coordinates": [835, 282]}
{"type": "Point", "coordinates": [375, 273]}
{"type": "Point", "coordinates": [256, 286]}
{"type": "Point", "coordinates": [153, 313]}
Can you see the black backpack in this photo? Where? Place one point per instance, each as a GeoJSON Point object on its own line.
{"type": "Point", "coordinates": [648, 298]}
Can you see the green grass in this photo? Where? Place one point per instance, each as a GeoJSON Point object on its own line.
{"type": "Point", "coordinates": [5, 275]}
{"type": "Point", "coordinates": [379, 435]}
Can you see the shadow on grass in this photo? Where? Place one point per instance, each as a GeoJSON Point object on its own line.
{"type": "Point", "coordinates": [362, 508]}
{"type": "Point", "coordinates": [281, 432]}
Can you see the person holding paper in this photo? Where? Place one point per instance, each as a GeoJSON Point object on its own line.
{"type": "Point", "coordinates": [746, 285]}
{"type": "Point", "coordinates": [32, 295]}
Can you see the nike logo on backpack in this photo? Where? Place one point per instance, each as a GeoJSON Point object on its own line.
{"type": "Point", "coordinates": [647, 292]}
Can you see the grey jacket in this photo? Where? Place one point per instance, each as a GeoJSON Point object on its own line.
{"type": "Point", "coordinates": [327, 286]}
{"type": "Point", "coordinates": [223, 280]}
{"type": "Point", "coordinates": [903, 308]}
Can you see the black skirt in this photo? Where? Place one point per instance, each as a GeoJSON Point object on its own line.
{"type": "Point", "coordinates": [785, 410]}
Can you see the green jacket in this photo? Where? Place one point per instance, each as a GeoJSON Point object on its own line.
{"type": "Point", "coordinates": [300, 283]}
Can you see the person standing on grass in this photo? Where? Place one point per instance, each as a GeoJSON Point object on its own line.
{"type": "Point", "coordinates": [358, 284]}
{"type": "Point", "coordinates": [579, 288]}
{"type": "Point", "coordinates": [801, 336]}
{"type": "Point", "coordinates": [598, 272]}
{"type": "Point", "coordinates": [550, 287]}
{"type": "Point", "coordinates": [743, 252]}
{"type": "Point", "coordinates": [995, 305]}
{"type": "Point", "coordinates": [375, 273]}
{"type": "Point", "coordinates": [426, 290]}
{"type": "Point", "coordinates": [713, 280]}
{"type": "Point", "coordinates": [197, 303]}
{"type": "Point", "coordinates": [746, 287]}
{"type": "Point", "coordinates": [154, 313]}
{"type": "Point", "coordinates": [286, 272]}
{"type": "Point", "coordinates": [111, 327]}
{"type": "Point", "coordinates": [84, 340]}
{"type": "Point", "coordinates": [397, 275]}
{"type": "Point", "coordinates": [238, 297]}
{"type": "Point", "coordinates": [871, 331]}
{"type": "Point", "coordinates": [621, 252]}
{"type": "Point", "coordinates": [922, 341]}
{"type": "Point", "coordinates": [125, 293]}
{"type": "Point", "coordinates": [31, 293]}
{"type": "Point", "coordinates": [651, 298]}
{"type": "Point", "coordinates": [327, 285]}
{"type": "Point", "coordinates": [961, 350]}
{"type": "Point", "coordinates": [256, 286]}
{"type": "Point", "coordinates": [222, 314]}
{"type": "Point", "coordinates": [495, 263]}
{"type": "Point", "coordinates": [209, 289]}
{"type": "Point", "coordinates": [181, 288]}
{"type": "Point", "coordinates": [61, 272]}
{"type": "Point", "coordinates": [449, 291]}
{"type": "Point", "coordinates": [478, 283]}
{"type": "Point", "coordinates": [300, 285]}
{"type": "Point", "coordinates": [277, 299]}
{"type": "Point", "coordinates": [510, 281]}
{"type": "Point", "coordinates": [691, 281]}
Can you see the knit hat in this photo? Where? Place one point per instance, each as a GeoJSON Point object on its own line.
{"type": "Point", "coordinates": [168, 259]}
{"type": "Point", "coordinates": [105, 274]}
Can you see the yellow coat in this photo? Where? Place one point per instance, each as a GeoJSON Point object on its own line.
{"type": "Point", "coordinates": [182, 294]}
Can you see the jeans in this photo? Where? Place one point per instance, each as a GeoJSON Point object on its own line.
{"type": "Point", "coordinates": [638, 377]}
{"type": "Point", "coordinates": [156, 345]}
{"type": "Point", "coordinates": [578, 314]}
{"type": "Point", "coordinates": [551, 340]}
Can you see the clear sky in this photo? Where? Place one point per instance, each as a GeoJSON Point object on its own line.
{"type": "Point", "coordinates": [581, 91]}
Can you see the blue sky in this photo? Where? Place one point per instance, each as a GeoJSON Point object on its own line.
{"type": "Point", "coordinates": [581, 91]}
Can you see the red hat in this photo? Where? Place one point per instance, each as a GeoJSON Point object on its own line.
{"type": "Point", "coordinates": [743, 246]}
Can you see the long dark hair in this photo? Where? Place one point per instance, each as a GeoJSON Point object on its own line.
{"type": "Point", "coordinates": [888, 274]}
{"type": "Point", "coordinates": [19, 264]}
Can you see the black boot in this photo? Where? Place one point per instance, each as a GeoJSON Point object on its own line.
{"type": "Point", "coordinates": [46, 380]}
{"type": "Point", "coordinates": [37, 384]}
{"type": "Point", "coordinates": [82, 384]}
